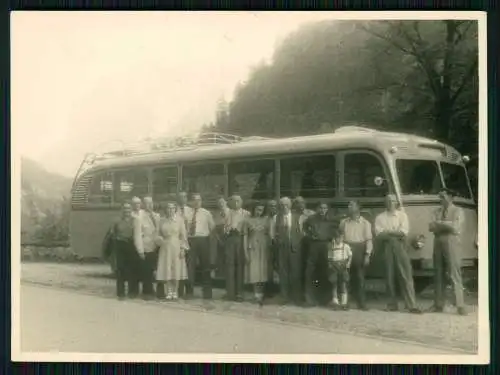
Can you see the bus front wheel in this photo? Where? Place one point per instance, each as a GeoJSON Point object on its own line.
{"type": "Point", "coordinates": [421, 283]}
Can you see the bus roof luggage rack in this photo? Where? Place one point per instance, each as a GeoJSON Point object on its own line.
{"type": "Point", "coordinates": [353, 128]}
{"type": "Point", "coordinates": [167, 144]}
{"type": "Point", "coordinates": [161, 145]}
{"type": "Point", "coordinates": [202, 139]}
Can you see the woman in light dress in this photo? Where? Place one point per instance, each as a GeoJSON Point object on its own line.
{"type": "Point", "coordinates": [256, 245]}
{"type": "Point", "coordinates": [173, 244]}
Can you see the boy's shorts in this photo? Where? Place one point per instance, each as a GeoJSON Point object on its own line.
{"type": "Point", "coordinates": [338, 272]}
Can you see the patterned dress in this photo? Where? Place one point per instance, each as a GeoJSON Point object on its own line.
{"type": "Point", "coordinates": [171, 259]}
{"type": "Point", "coordinates": [257, 230]}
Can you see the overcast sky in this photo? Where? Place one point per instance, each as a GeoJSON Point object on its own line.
{"type": "Point", "coordinates": [83, 78]}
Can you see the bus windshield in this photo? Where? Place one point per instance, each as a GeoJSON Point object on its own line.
{"type": "Point", "coordinates": [455, 178]}
{"type": "Point", "coordinates": [420, 177]}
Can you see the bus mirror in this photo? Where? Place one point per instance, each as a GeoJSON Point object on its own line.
{"type": "Point", "coordinates": [466, 159]}
{"type": "Point", "coordinates": [378, 181]}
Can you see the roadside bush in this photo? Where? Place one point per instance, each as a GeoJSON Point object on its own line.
{"type": "Point", "coordinates": [54, 226]}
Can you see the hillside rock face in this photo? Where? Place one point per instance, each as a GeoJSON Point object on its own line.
{"type": "Point", "coordinates": [43, 194]}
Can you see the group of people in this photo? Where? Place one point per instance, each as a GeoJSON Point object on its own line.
{"type": "Point", "coordinates": [283, 238]}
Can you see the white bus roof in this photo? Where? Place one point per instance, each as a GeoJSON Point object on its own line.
{"type": "Point", "coordinates": [347, 137]}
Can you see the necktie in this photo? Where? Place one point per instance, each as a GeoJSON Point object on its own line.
{"type": "Point", "coordinates": [287, 225]}
{"type": "Point", "coordinates": [192, 229]}
{"type": "Point", "coordinates": [151, 216]}
{"type": "Point", "coordinates": [444, 213]}
{"type": "Point", "coordinates": [184, 217]}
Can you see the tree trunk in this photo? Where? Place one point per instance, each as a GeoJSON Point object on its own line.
{"type": "Point", "coordinates": [444, 105]}
{"type": "Point", "coordinates": [442, 125]}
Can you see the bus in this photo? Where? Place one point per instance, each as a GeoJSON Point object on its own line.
{"type": "Point", "coordinates": [352, 163]}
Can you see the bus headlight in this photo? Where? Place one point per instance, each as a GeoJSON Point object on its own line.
{"type": "Point", "coordinates": [418, 242]}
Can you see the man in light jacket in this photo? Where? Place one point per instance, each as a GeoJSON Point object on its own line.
{"type": "Point", "coordinates": [149, 222]}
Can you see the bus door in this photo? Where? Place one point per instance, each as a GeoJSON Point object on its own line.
{"type": "Point", "coordinates": [358, 171]}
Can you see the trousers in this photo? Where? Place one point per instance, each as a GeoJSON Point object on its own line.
{"type": "Point", "coordinates": [149, 266]}
{"type": "Point", "coordinates": [235, 265]}
{"type": "Point", "coordinates": [447, 260]}
{"type": "Point", "coordinates": [357, 272]}
{"type": "Point", "coordinates": [289, 267]}
{"type": "Point", "coordinates": [317, 255]}
{"type": "Point", "coordinates": [199, 254]}
{"type": "Point", "coordinates": [339, 276]}
{"type": "Point", "coordinates": [398, 268]}
{"type": "Point", "coordinates": [128, 268]}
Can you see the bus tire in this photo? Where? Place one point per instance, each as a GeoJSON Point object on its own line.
{"type": "Point", "coordinates": [421, 283]}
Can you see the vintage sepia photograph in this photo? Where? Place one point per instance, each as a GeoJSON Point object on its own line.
{"type": "Point", "coordinates": [249, 187]}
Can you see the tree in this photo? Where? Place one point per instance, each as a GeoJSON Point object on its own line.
{"type": "Point", "coordinates": [410, 76]}
{"type": "Point", "coordinates": [446, 55]}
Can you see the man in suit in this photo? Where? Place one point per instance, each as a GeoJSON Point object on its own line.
{"type": "Point", "coordinates": [271, 211]}
{"type": "Point", "coordinates": [235, 255]}
{"type": "Point", "coordinates": [183, 210]}
{"type": "Point", "coordinates": [183, 213]}
{"type": "Point", "coordinates": [287, 235]}
{"type": "Point", "coordinates": [219, 237]}
{"type": "Point", "coordinates": [149, 222]}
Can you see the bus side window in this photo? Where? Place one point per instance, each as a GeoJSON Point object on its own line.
{"type": "Point", "coordinates": [207, 179]}
{"type": "Point", "coordinates": [360, 170]}
{"type": "Point", "coordinates": [164, 184]}
{"type": "Point", "coordinates": [309, 176]}
{"type": "Point", "coordinates": [131, 183]}
{"type": "Point", "coordinates": [101, 188]}
{"type": "Point", "coordinates": [252, 180]}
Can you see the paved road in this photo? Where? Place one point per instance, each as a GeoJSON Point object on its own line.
{"type": "Point", "coordinates": [56, 320]}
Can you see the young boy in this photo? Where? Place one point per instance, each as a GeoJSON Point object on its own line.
{"type": "Point", "coordinates": [339, 262]}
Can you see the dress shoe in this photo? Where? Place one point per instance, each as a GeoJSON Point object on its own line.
{"type": "Point", "coordinates": [415, 310]}
{"type": "Point", "coordinates": [392, 308]}
{"type": "Point", "coordinates": [309, 304]}
{"type": "Point", "coordinates": [436, 309]}
{"type": "Point", "coordinates": [462, 311]}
